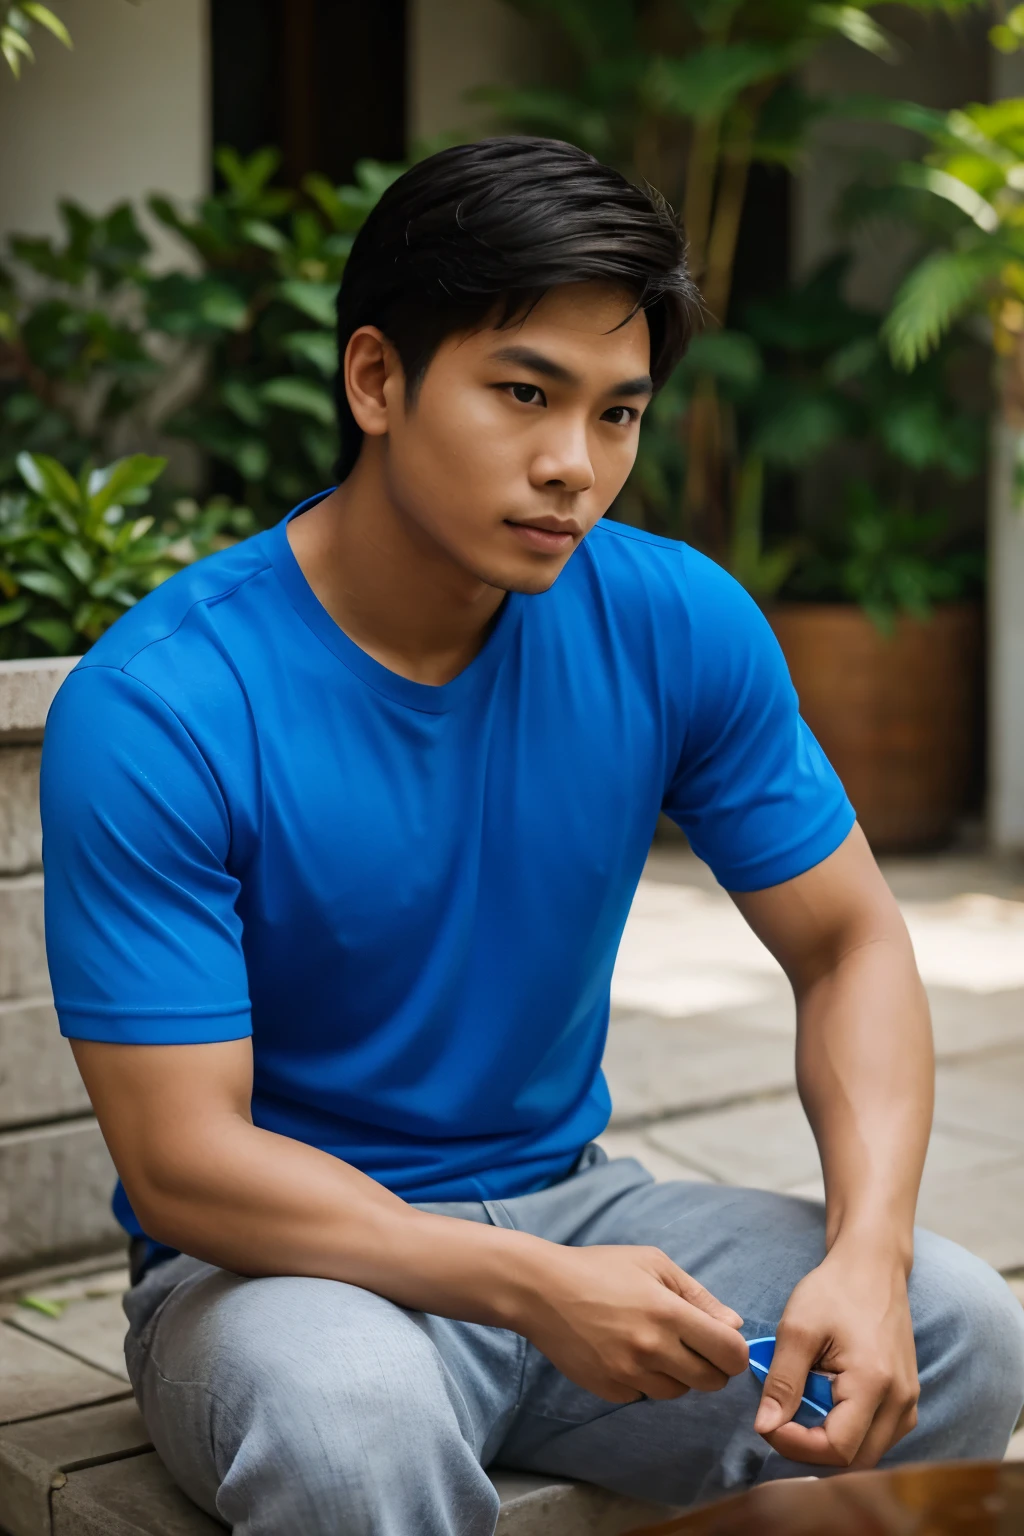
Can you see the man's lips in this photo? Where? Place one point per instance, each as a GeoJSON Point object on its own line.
{"type": "Point", "coordinates": [547, 534]}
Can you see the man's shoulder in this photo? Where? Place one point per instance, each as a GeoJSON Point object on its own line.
{"type": "Point", "coordinates": [611, 541]}
{"type": "Point", "coordinates": [629, 557]}
{"type": "Point", "coordinates": [175, 617]}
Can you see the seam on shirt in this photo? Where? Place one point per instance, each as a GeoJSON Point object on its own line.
{"type": "Point", "coordinates": [189, 1011]}
{"type": "Point", "coordinates": [641, 536]}
{"type": "Point", "coordinates": [210, 597]}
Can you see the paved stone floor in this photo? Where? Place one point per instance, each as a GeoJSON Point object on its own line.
{"type": "Point", "coordinates": [700, 1056]}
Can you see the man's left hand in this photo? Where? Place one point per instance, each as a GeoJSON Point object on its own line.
{"type": "Point", "coordinates": [851, 1318]}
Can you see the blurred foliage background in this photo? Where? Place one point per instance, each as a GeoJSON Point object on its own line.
{"type": "Point", "coordinates": [689, 97]}
{"type": "Point", "coordinates": [222, 365]}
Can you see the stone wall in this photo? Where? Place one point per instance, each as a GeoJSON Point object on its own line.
{"type": "Point", "coordinates": [56, 1176]}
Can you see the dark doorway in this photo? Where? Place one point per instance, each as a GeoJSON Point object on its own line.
{"type": "Point", "coordinates": [762, 267]}
{"type": "Point", "coordinates": [322, 79]}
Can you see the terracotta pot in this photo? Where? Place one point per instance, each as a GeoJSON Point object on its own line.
{"type": "Point", "coordinates": [898, 716]}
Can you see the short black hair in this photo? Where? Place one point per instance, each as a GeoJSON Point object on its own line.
{"type": "Point", "coordinates": [492, 226]}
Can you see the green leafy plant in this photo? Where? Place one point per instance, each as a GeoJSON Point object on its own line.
{"type": "Point", "coordinates": [889, 559]}
{"type": "Point", "coordinates": [16, 23]}
{"type": "Point", "coordinates": [17, 19]}
{"type": "Point", "coordinates": [261, 311]}
{"type": "Point", "coordinates": [76, 365]}
{"type": "Point", "coordinates": [75, 555]}
{"type": "Point", "coordinates": [688, 96]}
{"type": "Point", "coordinates": [966, 203]}
{"type": "Point", "coordinates": [233, 353]}
{"type": "Point", "coordinates": [809, 382]}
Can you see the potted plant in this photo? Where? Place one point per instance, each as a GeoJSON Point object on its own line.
{"type": "Point", "coordinates": [878, 610]}
{"type": "Point", "coordinates": [857, 525]}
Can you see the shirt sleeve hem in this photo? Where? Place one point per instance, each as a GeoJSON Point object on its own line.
{"type": "Point", "coordinates": [760, 874]}
{"type": "Point", "coordinates": [145, 1029]}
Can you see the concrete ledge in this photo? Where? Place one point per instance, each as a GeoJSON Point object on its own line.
{"type": "Point", "coordinates": [135, 1496]}
{"type": "Point", "coordinates": [55, 1185]}
{"type": "Point", "coordinates": [21, 836]}
{"type": "Point", "coordinates": [544, 1506]}
{"type": "Point", "coordinates": [37, 1455]}
{"type": "Point", "coordinates": [38, 1077]}
{"type": "Point", "coordinates": [23, 969]}
{"type": "Point", "coordinates": [27, 690]}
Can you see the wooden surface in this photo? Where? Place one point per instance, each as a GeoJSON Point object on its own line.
{"type": "Point", "coordinates": [951, 1499]}
{"type": "Point", "coordinates": [36, 1456]}
{"type": "Point", "coordinates": [36, 1380]}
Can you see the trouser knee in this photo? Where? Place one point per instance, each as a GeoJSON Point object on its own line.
{"type": "Point", "coordinates": [969, 1328]}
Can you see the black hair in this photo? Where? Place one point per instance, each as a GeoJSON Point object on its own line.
{"type": "Point", "coordinates": [486, 229]}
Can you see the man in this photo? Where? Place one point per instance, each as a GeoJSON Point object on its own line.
{"type": "Point", "coordinates": [342, 828]}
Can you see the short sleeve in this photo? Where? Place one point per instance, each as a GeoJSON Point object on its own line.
{"type": "Point", "coordinates": [142, 936]}
{"type": "Point", "coordinates": [753, 791]}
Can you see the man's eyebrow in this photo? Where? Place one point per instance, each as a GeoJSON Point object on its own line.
{"type": "Point", "coordinates": [537, 362]}
{"type": "Point", "coordinates": [526, 357]}
{"type": "Point", "coordinates": [643, 384]}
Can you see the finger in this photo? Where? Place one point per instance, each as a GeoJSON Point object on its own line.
{"type": "Point", "coordinates": [716, 1342]}
{"type": "Point", "coordinates": [658, 1386]}
{"type": "Point", "coordinates": [700, 1297]}
{"type": "Point", "coordinates": [797, 1443]}
{"type": "Point", "coordinates": [892, 1421]}
{"type": "Point", "coordinates": [848, 1423]}
{"type": "Point", "coordinates": [685, 1365]}
{"type": "Point", "coordinates": [795, 1353]}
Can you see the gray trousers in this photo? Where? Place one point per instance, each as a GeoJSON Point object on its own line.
{"type": "Point", "coordinates": [291, 1404]}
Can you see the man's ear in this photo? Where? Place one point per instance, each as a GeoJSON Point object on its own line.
{"type": "Point", "coordinates": [374, 381]}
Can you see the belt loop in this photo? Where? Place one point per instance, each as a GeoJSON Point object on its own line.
{"type": "Point", "coordinates": [499, 1215]}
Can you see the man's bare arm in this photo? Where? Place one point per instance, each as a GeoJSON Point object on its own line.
{"type": "Point", "coordinates": [619, 1321]}
{"type": "Point", "coordinates": [865, 1073]}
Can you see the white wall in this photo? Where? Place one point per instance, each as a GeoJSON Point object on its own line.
{"type": "Point", "coordinates": [456, 45]}
{"type": "Point", "coordinates": [124, 114]}
{"type": "Point", "coordinates": [1006, 597]}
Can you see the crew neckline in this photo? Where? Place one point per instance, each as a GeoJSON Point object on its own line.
{"type": "Point", "coordinates": [429, 698]}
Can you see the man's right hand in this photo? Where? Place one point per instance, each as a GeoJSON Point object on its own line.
{"type": "Point", "coordinates": [627, 1323]}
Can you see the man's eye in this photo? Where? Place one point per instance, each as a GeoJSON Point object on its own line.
{"type": "Point", "coordinates": [621, 415]}
{"type": "Point", "coordinates": [527, 394]}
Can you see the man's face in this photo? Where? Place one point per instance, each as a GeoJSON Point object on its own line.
{"type": "Point", "coordinates": [520, 439]}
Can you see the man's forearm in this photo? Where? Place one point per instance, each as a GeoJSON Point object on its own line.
{"type": "Point", "coordinates": [261, 1204]}
{"type": "Point", "coordinates": [865, 1073]}
{"type": "Point", "coordinates": [620, 1321]}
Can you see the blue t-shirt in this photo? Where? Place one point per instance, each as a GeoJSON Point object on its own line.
{"type": "Point", "coordinates": [410, 896]}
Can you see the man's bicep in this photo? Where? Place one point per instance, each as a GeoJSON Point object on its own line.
{"type": "Point", "coordinates": [752, 789]}
{"type": "Point", "coordinates": [810, 921]}
{"type": "Point", "coordinates": [157, 1104]}
{"type": "Point", "coordinates": [143, 938]}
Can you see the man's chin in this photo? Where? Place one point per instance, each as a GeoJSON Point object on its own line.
{"type": "Point", "coordinates": [529, 579]}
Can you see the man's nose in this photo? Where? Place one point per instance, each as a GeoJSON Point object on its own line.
{"type": "Point", "coordinates": [564, 464]}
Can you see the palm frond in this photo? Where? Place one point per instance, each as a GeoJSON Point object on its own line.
{"type": "Point", "coordinates": [705, 84]}
{"type": "Point", "coordinates": [935, 294]}
{"type": "Point", "coordinates": [970, 201]}
{"type": "Point", "coordinates": [857, 26]}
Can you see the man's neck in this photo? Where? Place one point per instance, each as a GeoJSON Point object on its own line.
{"type": "Point", "coordinates": [392, 589]}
